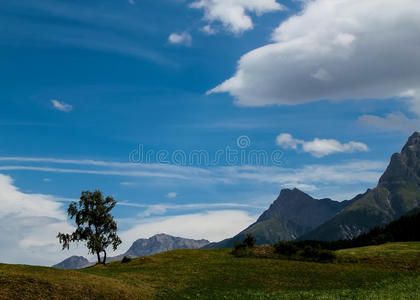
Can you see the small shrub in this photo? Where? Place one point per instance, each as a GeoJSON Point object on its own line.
{"type": "Point", "coordinates": [249, 240]}
{"type": "Point", "coordinates": [309, 252]}
{"type": "Point", "coordinates": [238, 245]}
{"type": "Point", "coordinates": [326, 256]}
{"type": "Point", "coordinates": [242, 252]}
{"type": "Point", "coordinates": [318, 254]}
{"type": "Point", "coordinates": [241, 249]}
{"type": "Point", "coordinates": [285, 248]}
{"type": "Point", "coordinates": [125, 260]}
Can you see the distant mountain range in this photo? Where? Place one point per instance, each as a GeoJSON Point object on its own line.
{"type": "Point", "coordinates": [297, 216]}
{"type": "Point", "coordinates": [141, 247]}
{"type": "Point", "coordinates": [161, 243]}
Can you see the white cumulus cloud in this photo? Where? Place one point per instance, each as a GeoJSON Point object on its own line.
{"type": "Point", "coordinates": [234, 14]}
{"type": "Point", "coordinates": [336, 50]}
{"type": "Point", "coordinates": [319, 147]}
{"type": "Point", "coordinates": [183, 38]}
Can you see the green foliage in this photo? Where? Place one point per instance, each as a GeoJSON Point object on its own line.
{"type": "Point", "coordinates": [309, 252]}
{"type": "Point", "coordinates": [304, 251]}
{"type": "Point", "coordinates": [285, 248]}
{"type": "Point", "coordinates": [249, 240]}
{"type": "Point", "coordinates": [241, 249]}
{"type": "Point", "coordinates": [239, 245]}
{"type": "Point", "coordinates": [94, 222]}
{"type": "Point", "coordinates": [318, 254]}
{"type": "Point", "coordinates": [326, 256]}
{"type": "Point", "coordinates": [402, 230]}
{"type": "Point", "coordinates": [405, 229]}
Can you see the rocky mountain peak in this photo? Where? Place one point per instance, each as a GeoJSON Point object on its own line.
{"type": "Point", "coordinates": [410, 154]}
{"type": "Point", "coordinates": [162, 242]}
{"type": "Point", "coordinates": [285, 194]}
{"type": "Point", "coordinates": [73, 262]}
{"type": "Point", "coordinates": [414, 139]}
{"type": "Point", "coordinates": [299, 208]}
{"type": "Point", "coordinates": [404, 166]}
{"type": "Point", "coordinates": [397, 193]}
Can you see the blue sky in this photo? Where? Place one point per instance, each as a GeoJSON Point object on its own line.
{"type": "Point", "coordinates": [84, 83]}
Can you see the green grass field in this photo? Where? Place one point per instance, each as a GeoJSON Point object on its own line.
{"type": "Point", "coordinates": [390, 271]}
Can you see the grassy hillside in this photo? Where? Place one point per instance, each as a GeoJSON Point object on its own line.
{"type": "Point", "coordinates": [387, 271]}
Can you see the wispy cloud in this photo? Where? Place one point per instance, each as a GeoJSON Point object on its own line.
{"type": "Point", "coordinates": [162, 208]}
{"type": "Point", "coordinates": [153, 210]}
{"type": "Point", "coordinates": [94, 172]}
{"type": "Point", "coordinates": [391, 122]}
{"type": "Point", "coordinates": [100, 27]}
{"type": "Point", "coordinates": [25, 124]}
{"type": "Point", "coordinates": [190, 206]}
{"type": "Point", "coordinates": [312, 176]}
{"type": "Point", "coordinates": [62, 106]}
{"type": "Point", "coordinates": [171, 195]}
{"type": "Point", "coordinates": [208, 29]}
{"type": "Point", "coordinates": [397, 121]}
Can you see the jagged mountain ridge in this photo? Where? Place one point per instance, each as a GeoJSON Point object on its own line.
{"type": "Point", "coordinates": [141, 247]}
{"type": "Point", "coordinates": [397, 193]}
{"type": "Point", "coordinates": [161, 243]}
{"type": "Point", "coordinates": [291, 215]}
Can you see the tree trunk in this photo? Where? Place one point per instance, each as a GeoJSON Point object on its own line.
{"type": "Point", "coordinates": [99, 257]}
{"type": "Point", "coordinates": [104, 261]}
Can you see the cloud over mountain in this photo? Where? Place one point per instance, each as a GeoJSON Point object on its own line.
{"type": "Point", "coordinates": [333, 50]}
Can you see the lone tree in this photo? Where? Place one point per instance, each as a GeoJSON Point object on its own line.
{"type": "Point", "coordinates": [95, 224]}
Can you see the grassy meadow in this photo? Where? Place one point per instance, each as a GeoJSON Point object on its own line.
{"type": "Point", "coordinates": [389, 271]}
